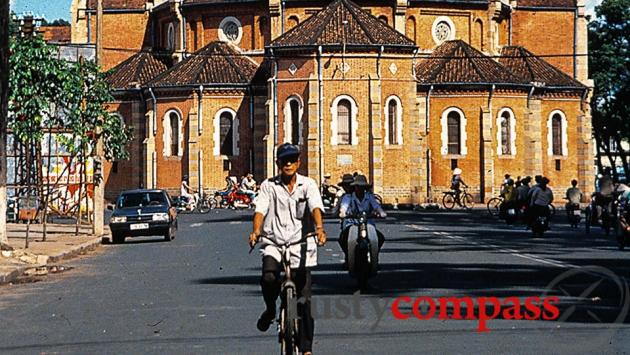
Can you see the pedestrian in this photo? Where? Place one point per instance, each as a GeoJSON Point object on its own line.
{"type": "Point", "coordinates": [286, 205]}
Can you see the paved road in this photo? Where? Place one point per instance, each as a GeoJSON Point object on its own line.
{"type": "Point", "coordinates": [199, 294]}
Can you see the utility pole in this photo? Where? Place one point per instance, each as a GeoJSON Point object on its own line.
{"type": "Point", "coordinates": [99, 184]}
{"type": "Point", "coordinates": [4, 103]}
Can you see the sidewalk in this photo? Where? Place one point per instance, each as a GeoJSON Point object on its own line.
{"type": "Point", "coordinates": [61, 243]}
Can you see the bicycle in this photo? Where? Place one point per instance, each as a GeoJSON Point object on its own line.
{"type": "Point", "coordinates": [463, 199]}
{"type": "Point", "coordinates": [203, 205]}
{"type": "Point", "coordinates": [288, 320]}
{"type": "Point", "coordinates": [494, 205]}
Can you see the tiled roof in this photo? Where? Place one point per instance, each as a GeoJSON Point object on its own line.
{"type": "Point", "coordinates": [342, 21]}
{"type": "Point", "coordinates": [118, 4]}
{"type": "Point", "coordinates": [531, 68]}
{"type": "Point", "coordinates": [55, 34]}
{"type": "Point", "coordinates": [546, 3]}
{"type": "Point", "coordinates": [216, 64]}
{"type": "Point", "coordinates": [137, 70]}
{"type": "Point", "coordinates": [456, 62]}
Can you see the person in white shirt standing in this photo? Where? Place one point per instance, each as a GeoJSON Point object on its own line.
{"type": "Point", "coordinates": [282, 213]}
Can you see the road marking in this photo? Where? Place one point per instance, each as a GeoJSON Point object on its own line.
{"type": "Point", "coordinates": [513, 252]}
{"type": "Point", "coordinates": [195, 225]}
{"type": "Point", "coordinates": [235, 222]}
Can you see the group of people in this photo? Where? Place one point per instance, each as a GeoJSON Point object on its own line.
{"type": "Point", "coordinates": [247, 186]}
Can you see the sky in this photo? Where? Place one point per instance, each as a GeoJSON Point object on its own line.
{"type": "Point", "coordinates": [54, 9]}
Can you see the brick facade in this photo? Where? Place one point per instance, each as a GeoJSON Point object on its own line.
{"type": "Point", "coordinates": [411, 172]}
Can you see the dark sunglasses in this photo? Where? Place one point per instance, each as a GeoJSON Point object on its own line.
{"type": "Point", "coordinates": [289, 160]}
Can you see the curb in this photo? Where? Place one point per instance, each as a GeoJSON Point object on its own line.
{"type": "Point", "coordinates": [47, 259]}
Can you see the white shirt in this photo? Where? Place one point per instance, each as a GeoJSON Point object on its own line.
{"type": "Point", "coordinates": [283, 211]}
{"type": "Point", "coordinates": [247, 185]}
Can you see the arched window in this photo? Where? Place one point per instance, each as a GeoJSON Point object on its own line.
{"type": "Point", "coordinates": [344, 123]}
{"type": "Point", "coordinates": [170, 37]}
{"type": "Point", "coordinates": [226, 133]}
{"type": "Point", "coordinates": [293, 124]}
{"type": "Point", "coordinates": [383, 18]}
{"type": "Point", "coordinates": [262, 32]}
{"type": "Point", "coordinates": [506, 132]}
{"type": "Point", "coordinates": [478, 35]}
{"type": "Point", "coordinates": [410, 30]}
{"type": "Point", "coordinates": [172, 138]}
{"type": "Point", "coordinates": [393, 121]}
{"type": "Point", "coordinates": [557, 134]}
{"type": "Point", "coordinates": [344, 110]}
{"type": "Point", "coordinates": [293, 21]}
{"type": "Point", "coordinates": [454, 135]}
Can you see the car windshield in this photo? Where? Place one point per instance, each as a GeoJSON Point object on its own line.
{"type": "Point", "coordinates": [141, 199]}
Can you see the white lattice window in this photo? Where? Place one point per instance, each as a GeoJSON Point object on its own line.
{"type": "Point", "coordinates": [226, 133]}
{"type": "Point", "coordinates": [344, 122]}
{"type": "Point", "coordinates": [230, 30]}
{"type": "Point", "coordinates": [293, 120]}
{"type": "Point", "coordinates": [173, 135]}
{"type": "Point", "coordinates": [393, 121]}
{"type": "Point", "coordinates": [454, 134]}
{"type": "Point", "coordinates": [557, 138]}
{"type": "Point", "coordinates": [506, 132]}
{"type": "Point", "coordinates": [443, 29]}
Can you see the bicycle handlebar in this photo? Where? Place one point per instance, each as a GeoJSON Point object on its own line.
{"type": "Point", "coordinates": [302, 240]}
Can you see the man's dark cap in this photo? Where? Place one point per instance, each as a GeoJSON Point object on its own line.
{"type": "Point", "coordinates": [287, 150]}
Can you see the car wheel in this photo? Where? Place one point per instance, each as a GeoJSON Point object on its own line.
{"type": "Point", "coordinates": [118, 238]}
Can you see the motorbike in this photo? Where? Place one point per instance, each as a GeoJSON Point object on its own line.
{"type": "Point", "coordinates": [574, 214]}
{"type": "Point", "coordinates": [239, 199]}
{"type": "Point", "coordinates": [201, 204]}
{"type": "Point", "coordinates": [540, 225]}
{"type": "Point", "coordinates": [606, 214]}
{"type": "Point", "coordinates": [621, 234]}
{"type": "Point", "coordinates": [362, 250]}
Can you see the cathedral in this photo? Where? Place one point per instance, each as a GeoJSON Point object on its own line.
{"type": "Point", "coordinates": [404, 91]}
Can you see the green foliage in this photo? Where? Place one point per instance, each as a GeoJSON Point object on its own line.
{"type": "Point", "coordinates": [35, 82]}
{"type": "Point", "coordinates": [609, 63]}
{"type": "Point", "coordinates": [45, 92]}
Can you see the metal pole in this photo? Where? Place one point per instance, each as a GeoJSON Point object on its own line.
{"type": "Point", "coordinates": [99, 186]}
{"type": "Point", "coordinates": [4, 86]}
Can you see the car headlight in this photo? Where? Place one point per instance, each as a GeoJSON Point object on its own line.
{"type": "Point", "coordinates": [118, 219]}
{"type": "Point", "coordinates": [161, 217]}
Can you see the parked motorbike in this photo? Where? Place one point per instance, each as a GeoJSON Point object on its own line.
{"type": "Point", "coordinates": [574, 214]}
{"type": "Point", "coordinates": [362, 250]}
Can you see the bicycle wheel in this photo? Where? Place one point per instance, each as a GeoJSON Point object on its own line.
{"type": "Point", "coordinates": [289, 324]}
{"type": "Point", "coordinates": [448, 201]}
{"type": "Point", "coordinates": [494, 206]}
{"type": "Point", "coordinates": [467, 201]}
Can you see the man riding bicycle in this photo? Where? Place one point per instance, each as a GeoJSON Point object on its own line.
{"type": "Point", "coordinates": [287, 205]}
{"type": "Point", "coordinates": [457, 182]}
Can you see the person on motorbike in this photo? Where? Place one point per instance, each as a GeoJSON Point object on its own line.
{"type": "Point", "coordinates": [346, 185]}
{"type": "Point", "coordinates": [289, 204]}
{"type": "Point", "coordinates": [604, 197]}
{"type": "Point", "coordinates": [541, 198]}
{"type": "Point", "coordinates": [457, 182]}
{"type": "Point", "coordinates": [361, 200]}
{"type": "Point", "coordinates": [573, 196]}
{"type": "Point", "coordinates": [504, 184]}
{"type": "Point", "coordinates": [329, 191]}
{"type": "Point", "coordinates": [186, 192]}
{"type": "Point", "coordinates": [248, 186]}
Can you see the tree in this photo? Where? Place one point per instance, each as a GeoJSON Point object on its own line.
{"type": "Point", "coordinates": [609, 62]}
{"type": "Point", "coordinates": [36, 78]}
{"type": "Point", "coordinates": [48, 94]}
